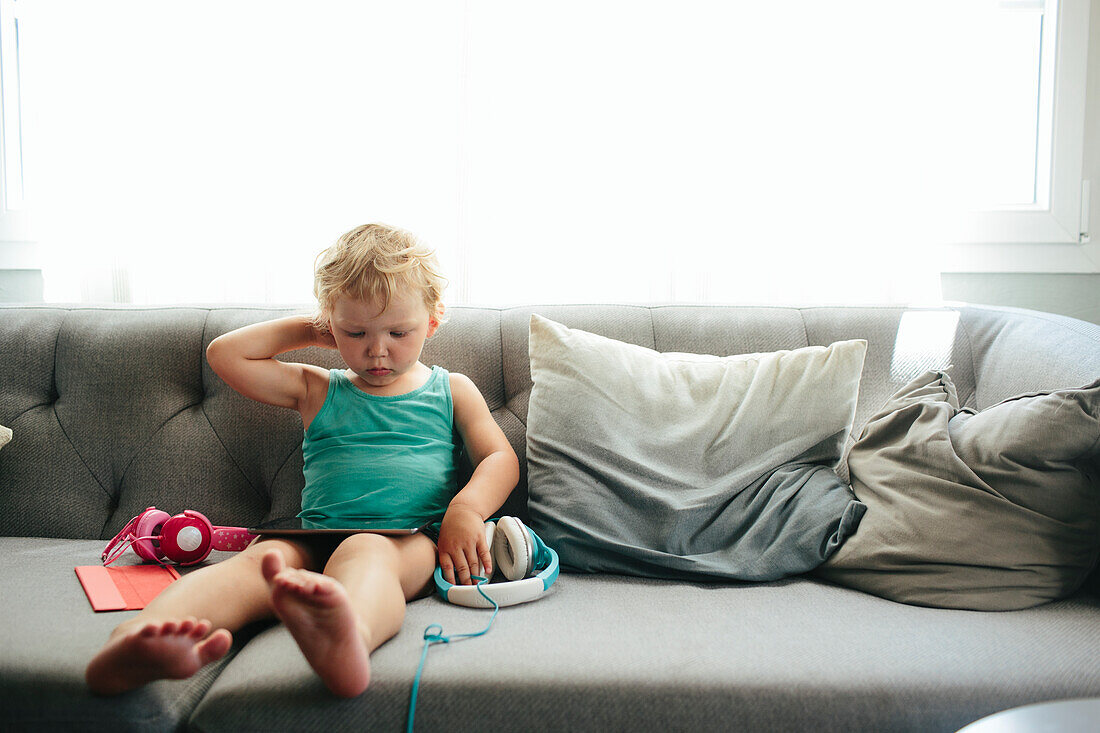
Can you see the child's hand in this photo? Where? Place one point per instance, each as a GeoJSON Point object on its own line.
{"type": "Point", "coordinates": [462, 546]}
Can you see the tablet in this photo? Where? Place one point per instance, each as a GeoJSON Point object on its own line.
{"type": "Point", "coordinates": [300, 526]}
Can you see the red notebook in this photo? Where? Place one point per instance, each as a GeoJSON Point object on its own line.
{"type": "Point", "coordinates": [125, 588]}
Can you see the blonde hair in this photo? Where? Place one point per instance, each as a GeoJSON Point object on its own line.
{"type": "Point", "coordinates": [371, 263]}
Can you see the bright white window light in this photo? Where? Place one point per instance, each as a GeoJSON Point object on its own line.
{"type": "Point", "coordinates": [574, 151]}
{"type": "Point", "coordinates": [925, 340]}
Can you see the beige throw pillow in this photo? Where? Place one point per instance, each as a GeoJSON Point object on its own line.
{"type": "Point", "coordinates": [994, 510]}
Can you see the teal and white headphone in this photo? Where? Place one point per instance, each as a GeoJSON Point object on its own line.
{"type": "Point", "coordinates": [529, 567]}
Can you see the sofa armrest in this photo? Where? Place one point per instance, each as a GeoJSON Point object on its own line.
{"type": "Point", "coordinates": [1017, 351]}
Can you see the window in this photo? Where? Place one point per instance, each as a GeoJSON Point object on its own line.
{"type": "Point", "coordinates": [14, 229]}
{"type": "Point", "coordinates": [577, 151]}
{"type": "Point", "coordinates": [11, 127]}
{"type": "Point", "coordinates": [1042, 230]}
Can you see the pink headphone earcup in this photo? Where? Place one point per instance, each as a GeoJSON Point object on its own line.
{"type": "Point", "coordinates": [149, 525]}
{"type": "Point", "coordinates": [187, 538]}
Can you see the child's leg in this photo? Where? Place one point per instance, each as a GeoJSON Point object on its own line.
{"type": "Point", "coordinates": [340, 617]}
{"type": "Point", "coordinates": [171, 637]}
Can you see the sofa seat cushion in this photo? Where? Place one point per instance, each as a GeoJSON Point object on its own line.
{"type": "Point", "coordinates": [621, 653]}
{"type": "Point", "coordinates": [49, 633]}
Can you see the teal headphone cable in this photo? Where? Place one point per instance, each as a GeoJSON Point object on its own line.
{"type": "Point", "coordinates": [433, 634]}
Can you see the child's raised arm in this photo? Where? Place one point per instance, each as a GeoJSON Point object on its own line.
{"type": "Point", "coordinates": [245, 359]}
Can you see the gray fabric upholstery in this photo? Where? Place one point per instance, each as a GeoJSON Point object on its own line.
{"type": "Point", "coordinates": [49, 633]}
{"type": "Point", "coordinates": [105, 462]}
{"type": "Point", "coordinates": [115, 409]}
{"type": "Point", "coordinates": [615, 653]}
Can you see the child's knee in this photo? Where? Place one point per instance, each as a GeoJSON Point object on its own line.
{"type": "Point", "coordinates": [294, 555]}
{"type": "Point", "coordinates": [365, 545]}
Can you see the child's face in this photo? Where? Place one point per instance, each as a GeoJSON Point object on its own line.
{"type": "Point", "coordinates": [382, 347]}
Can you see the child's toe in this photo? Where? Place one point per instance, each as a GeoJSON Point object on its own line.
{"type": "Point", "coordinates": [272, 565]}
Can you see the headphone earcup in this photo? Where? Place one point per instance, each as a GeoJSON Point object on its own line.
{"type": "Point", "coordinates": [512, 549]}
{"type": "Point", "coordinates": [149, 524]}
{"type": "Point", "coordinates": [490, 534]}
{"type": "Point", "coordinates": [187, 538]}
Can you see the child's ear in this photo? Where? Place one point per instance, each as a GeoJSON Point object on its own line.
{"type": "Point", "coordinates": [434, 320]}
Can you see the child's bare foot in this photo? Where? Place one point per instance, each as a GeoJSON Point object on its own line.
{"type": "Point", "coordinates": [158, 650]}
{"type": "Point", "coordinates": [318, 613]}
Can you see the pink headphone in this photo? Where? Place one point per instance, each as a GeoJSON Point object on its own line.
{"type": "Point", "coordinates": [186, 538]}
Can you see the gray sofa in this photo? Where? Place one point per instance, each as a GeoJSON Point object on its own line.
{"type": "Point", "coordinates": [115, 409]}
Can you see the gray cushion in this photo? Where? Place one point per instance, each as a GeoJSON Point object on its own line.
{"type": "Point", "coordinates": [990, 510]}
{"type": "Point", "coordinates": [594, 654]}
{"type": "Point", "coordinates": [667, 465]}
{"type": "Point", "coordinates": [48, 635]}
{"type": "Point", "coordinates": [605, 652]}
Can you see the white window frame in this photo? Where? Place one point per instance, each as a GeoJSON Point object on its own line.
{"type": "Point", "coordinates": [17, 245]}
{"type": "Point", "coordinates": [1051, 234]}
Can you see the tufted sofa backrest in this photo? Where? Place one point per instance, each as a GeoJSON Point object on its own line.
{"type": "Point", "coordinates": [115, 409]}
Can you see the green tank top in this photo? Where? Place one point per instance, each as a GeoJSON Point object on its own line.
{"type": "Point", "coordinates": [381, 458]}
